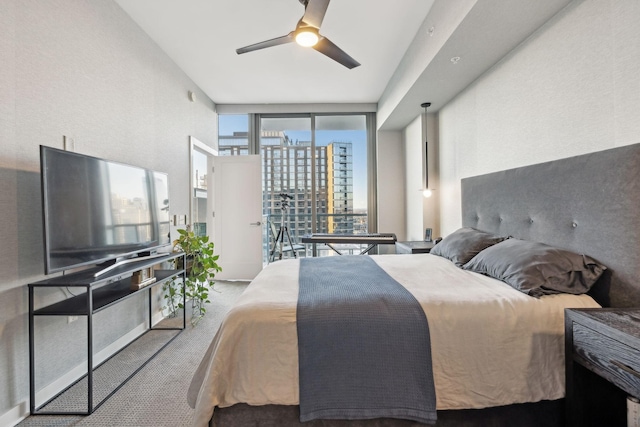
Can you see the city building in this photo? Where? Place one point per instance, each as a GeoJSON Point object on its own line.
{"type": "Point", "coordinates": [287, 170]}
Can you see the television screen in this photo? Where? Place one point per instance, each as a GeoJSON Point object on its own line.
{"type": "Point", "coordinates": [95, 210]}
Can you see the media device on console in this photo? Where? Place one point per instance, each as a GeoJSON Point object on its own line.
{"type": "Point", "coordinates": [99, 211]}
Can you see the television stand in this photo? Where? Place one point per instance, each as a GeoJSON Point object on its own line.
{"type": "Point", "coordinates": [100, 292]}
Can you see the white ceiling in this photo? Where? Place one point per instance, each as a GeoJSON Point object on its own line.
{"type": "Point", "coordinates": [201, 36]}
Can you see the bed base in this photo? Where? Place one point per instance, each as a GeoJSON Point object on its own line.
{"type": "Point", "coordinates": [548, 413]}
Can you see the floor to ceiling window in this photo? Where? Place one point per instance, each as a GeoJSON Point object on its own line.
{"type": "Point", "coordinates": [317, 164]}
{"type": "Point", "coordinates": [233, 134]}
{"type": "Point", "coordinates": [345, 139]}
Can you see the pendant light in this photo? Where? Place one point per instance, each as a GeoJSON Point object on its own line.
{"type": "Point", "coordinates": [426, 191]}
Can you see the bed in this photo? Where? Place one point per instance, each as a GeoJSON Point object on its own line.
{"type": "Point", "coordinates": [508, 368]}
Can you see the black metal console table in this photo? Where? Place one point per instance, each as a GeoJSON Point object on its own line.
{"type": "Point", "coordinates": [100, 292]}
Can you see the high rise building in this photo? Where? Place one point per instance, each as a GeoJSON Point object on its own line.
{"type": "Point", "coordinates": [340, 187]}
{"type": "Point", "coordinates": [287, 169]}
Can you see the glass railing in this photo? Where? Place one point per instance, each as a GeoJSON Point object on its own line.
{"type": "Point", "coordinates": [299, 225]}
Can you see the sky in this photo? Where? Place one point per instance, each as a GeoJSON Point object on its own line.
{"type": "Point", "coordinates": [230, 123]}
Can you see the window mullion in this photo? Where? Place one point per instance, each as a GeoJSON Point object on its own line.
{"type": "Point", "coordinates": [314, 213]}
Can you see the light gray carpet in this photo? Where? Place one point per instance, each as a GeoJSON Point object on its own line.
{"type": "Point", "coordinates": [157, 395]}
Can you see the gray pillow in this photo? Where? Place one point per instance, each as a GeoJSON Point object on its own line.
{"type": "Point", "coordinates": [463, 244]}
{"type": "Point", "coordinates": [537, 269]}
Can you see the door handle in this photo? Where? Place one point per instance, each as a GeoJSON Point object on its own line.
{"type": "Point", "coordinates": [255, 223]}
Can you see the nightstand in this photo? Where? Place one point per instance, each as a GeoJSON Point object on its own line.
{"type": "Point", "coordinates": [414, 247]}
{"type": "Point", "coordinates": [601, 344]}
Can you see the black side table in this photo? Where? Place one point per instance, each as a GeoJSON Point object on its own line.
{"type": "Point", "coordinates": [602, 351]}
{"type": "Point", "coordinates": [414, 247]}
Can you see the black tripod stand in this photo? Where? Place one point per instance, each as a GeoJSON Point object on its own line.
{"type": "Point", "coordinates": [278, 243]}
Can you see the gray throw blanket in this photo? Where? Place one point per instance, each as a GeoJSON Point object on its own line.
{"type": "Point", "coordinates": [363, 344]}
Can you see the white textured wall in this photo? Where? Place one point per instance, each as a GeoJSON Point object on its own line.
{"type": "Point", "coordinates": [572, 88]}
{"type": "Point", "coordinates": [413, 142]}
{"type": "Point", "coordinates": [430, 205]}
{"type": "Point", "coordinates": [421, 212]}
{"type": "Point", "coordinates": [391, 186]}
{"type": "Point", "coordinates": [85, 70]}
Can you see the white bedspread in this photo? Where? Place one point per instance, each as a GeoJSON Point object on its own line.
{"type": "Point", "coordinates": [491, 345]}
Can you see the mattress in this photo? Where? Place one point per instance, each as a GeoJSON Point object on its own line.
{"type": "Point", "coordinates": [491, 345]}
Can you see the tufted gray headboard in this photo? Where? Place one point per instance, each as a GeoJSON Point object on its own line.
{"type": "Point", "coordinates": [588, 204]}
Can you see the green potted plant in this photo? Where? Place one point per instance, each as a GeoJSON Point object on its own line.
{"type": "Point", "coordinates": [201, 269]}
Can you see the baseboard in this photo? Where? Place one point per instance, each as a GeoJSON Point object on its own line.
{"type": "Point", "coordinates": [15, 415]}
{"type": "Point", "coordinates": [157, 317]}
{"type": "Point", "coordinates": [19, 412]}
{"type": "Point", "coordinates": [79, 371]}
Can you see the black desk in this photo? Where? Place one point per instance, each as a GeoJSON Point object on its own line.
{"type": "Point", "coordinates": [370, 239]}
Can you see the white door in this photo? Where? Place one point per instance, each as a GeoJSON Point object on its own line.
{"type": "Point", "coordinates": [237, 216]}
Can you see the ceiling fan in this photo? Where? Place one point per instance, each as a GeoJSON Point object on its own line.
{"type": "Point", "coordinates": [307, 33]}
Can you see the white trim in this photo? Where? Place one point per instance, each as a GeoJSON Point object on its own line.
{"type": "Point", "coordinates": [19, 412]}
{"type": "Point", "coordinates": [295, 108]}
{"type": "Point", "coordinates": [158, 317]}
{"type": "Point", "coordinates": [76, 373]}
{"type": "Point", "coordinates": [196, 145]}
{"type": "Point", "coordinates": [201, 146]}
{"type": "Point", "coordinates": [15, 415]}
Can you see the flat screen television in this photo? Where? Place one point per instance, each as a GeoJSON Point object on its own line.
{"type": "Point", "coordinates": [96, 211]}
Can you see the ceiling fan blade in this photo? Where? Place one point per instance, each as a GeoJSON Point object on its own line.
{"type": "Point", "coordinates": [314, 12]}
{"type": "Point", "coordinates": [267, 43]}
{"type": "Point", "coordinates": [326, 46]}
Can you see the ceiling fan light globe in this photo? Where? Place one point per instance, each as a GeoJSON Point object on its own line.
{"type": "Point", "coordinates": [307, 38]}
